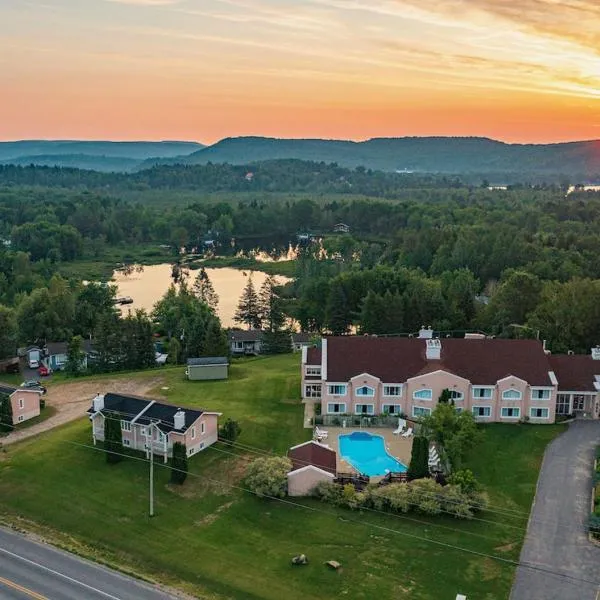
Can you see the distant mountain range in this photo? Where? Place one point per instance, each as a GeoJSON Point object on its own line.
{"type": "Point", "coordinates": [448, 155]}
{"type": "Point", "coordinates": [94, 155]}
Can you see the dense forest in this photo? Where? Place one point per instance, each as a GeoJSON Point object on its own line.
{"type": "Point", "coordinates": [517, 262]}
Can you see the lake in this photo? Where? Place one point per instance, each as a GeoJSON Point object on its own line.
{"type": "Point", "coordinates": [148, 287]}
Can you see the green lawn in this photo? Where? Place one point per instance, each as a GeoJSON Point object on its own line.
{"type": "Point", "coordinates": [225, 543]}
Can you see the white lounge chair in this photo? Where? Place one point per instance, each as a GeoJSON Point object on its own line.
{"type": "Point", "coordinates": [401, 427]}
{"type": "Point", "coordinates": [321, 434]}
{"type": "Point", "coordinates": [408, 433]}
{"type": "Point", "coordinates": [398, 430]}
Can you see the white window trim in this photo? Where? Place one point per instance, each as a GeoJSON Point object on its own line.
{"type": "Point", "coordinates": [399, 406]}
{"type": "Point", "coordinates": [194, 432]}
{"type": "Point", "coordinates": [423, 390]}
{"type": "Point", "coordinates": [512, 399]}
{"type": "Point", "coordinates": [462, 396]}
{"type": "Point", "coordinates": [316, 371]}
{"type": "Point", "coordinates": [364, 395]}
{"type": "Point", "coordinates": [482, 387]}
{"type": "Point", "coordinates": [514, 408]}
{"type": "Point", "coordinates": [538, 389]}
{"type": "Point", "coordinates": [481, 416]}
{"type": "Point", "coordinates": [539, 408]}
{"type": "Point", "coordinates": [425, 408]}
{"type": "Point", "coordinates": [202, 428]}
{"type": "Point", "coordinates": [363, 413]}
{"type": "Point", "coordinates": [389, 385]}
{"type": "Point", "coordinates": [344, 385]}
{"type": "Point", "coordinates": [21, 403]}
{"type": "Point", "coordinates": [312, 390]}
{"type": "Point", "coordinates": [341, 412]}
{"type": "Point", "coordinates": [125, 425]}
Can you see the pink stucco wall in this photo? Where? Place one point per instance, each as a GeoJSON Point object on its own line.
{"type": "Point", "coordinates": [30, 401]}
{"type": "Point", "coordinates": [303, 481]}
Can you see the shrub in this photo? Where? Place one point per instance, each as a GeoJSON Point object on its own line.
{"type": "Point", "coordinates": [456, 502]}
{"type": "Point", "coordinates": [113, 441]}
{"type": "Point", "coordinates": [465, 480]}
{"type": "Point", "coordinates": [425, 496]}
{"type": "Point", "coordinates": [179, 463]}
{"type": "Point", "coordinates": [268, 476]}
{"type": "Point", "coordinates": [594, 524]}
{"type": "Point", "coordinates": [329, 492]}
{"type": "Point", "coordinates": [394, 497]}
{"type": "Point", "coordinates": [230, 431]}
{"type": "Point", "coordinates": [419, 459]}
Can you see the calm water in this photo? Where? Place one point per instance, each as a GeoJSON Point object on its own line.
{"type": "Point", "coordinates": [148, 287]}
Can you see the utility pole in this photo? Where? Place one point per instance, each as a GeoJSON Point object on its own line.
{"type": "Point", "coordinates": [151, 471]}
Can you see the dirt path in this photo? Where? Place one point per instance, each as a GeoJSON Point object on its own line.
{"type": "Point", "coordinates": [71, 400]}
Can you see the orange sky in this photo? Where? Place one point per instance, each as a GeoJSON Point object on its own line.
{"type": "Point", "coordinates": [354, 69]}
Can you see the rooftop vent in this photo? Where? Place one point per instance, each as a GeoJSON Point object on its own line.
{"type": "Point", "coordinates": [425, 333]}
{"type": "Point", "coordinates": [98, 402]}
{"type": "Point", "coordinates": [434, 349]}
{"type": "Point", "coordinates": [179, 419]}
{"type": "Point", "coordinates": [596, 353]}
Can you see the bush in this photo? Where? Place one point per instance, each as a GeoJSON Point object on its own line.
{"type": "Point", "coordinates": [394, 497]}
{"type": "Point", "coordinates": [594, 524]}
{"type": "Point", "coordinates": [113, 441]}
{"type": "Point", "coordinates": [419, 459]}
{"type": "Point", "coordinates": [456, 502]}
{"type": "Point", "coordinates": [425, 496]}
{"type": "Point", "coordinates": [329, 492]}
{"type": "Point", "coordinates": [179, 464]}
{"type": "Point", "coordinates": [268, 476]}
{"type": "Point", "coordinates": [230, 431]}
{"type": "Point", "coordinates": [465, 480]}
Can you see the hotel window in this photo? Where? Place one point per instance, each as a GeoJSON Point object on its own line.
{"type": "Point", "coordinates": [392, 390]}
{"type": "Point", "coordinates": [422, 395]}
{"type": "Point", "coordinates": [313, 371]}
{"type": "Point", "coordinates": [511, 395]}
{"type": "Point", "coordinates": [125, 426]}
{"type": "Point", "coordinates": [335, 408]}
{"type": "Point", "coordinates": [337, 389]}
{"type": "Point", "coordinates": [364, 409]}
{"type": "Point", "coordinates": [563, 404]}
{"type": "Point", "coordinates": [456, 396]}
{"type": "Point", "coordinates": [510, 413]}
{"type": "Point", "coordinates": [419, 411]}
{"type": "Point", "coordinates": [540, 394]}
{"type": "Point", "coordinates": [391, 409]}
{"type": "Point", "coordinates": [483, 393]}
{"type": "Point", "coordinates": [482, 411]}
{"type": "Point", "coordinates": [458, 409]}
{"type": "Point", "coordinates": [538, 413]}
{"type": "Point", "coordinates": [578, 402]}
{"type": "Point", "coordinates": [312, 391]}
{"type": "Point", "coordinates": [365, 390]}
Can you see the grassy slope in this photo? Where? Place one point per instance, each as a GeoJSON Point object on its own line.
{"type": "Point", "coordinates": [228, 544]}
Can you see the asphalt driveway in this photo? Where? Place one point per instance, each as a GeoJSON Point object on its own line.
{"type": "Point", "coordinates": [556, 538]}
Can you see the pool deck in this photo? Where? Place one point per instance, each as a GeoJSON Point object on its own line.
{"type": "Point", "coordinates": [396, 445]}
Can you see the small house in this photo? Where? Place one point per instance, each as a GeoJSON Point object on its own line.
{"type": "Point", "coordinates": [147, 424]}
{"type": "Point", "coordinates": [245, 342]}
{"type": "Point", "coordinates": [299, 340]}
{"type": "Point", "coordinates": [312, 463]}
{"type": "Point", "coordinates": [206, 368]}
{"type": "Point", "coordinates": [55, 354]}
{"type": "Point", "coordinates": [25, 402]}
{"type": "Point", "coordinates": [341, 228]}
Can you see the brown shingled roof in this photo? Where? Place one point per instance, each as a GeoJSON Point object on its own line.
{"type": "Point", "coordinates": [313, 356]}
{"type": "Point", "coordinates": [395, 360]}
{"type": "Point", "coordinates": [313, 453]}
{"type": "Point", "coordinates": [575, 373]}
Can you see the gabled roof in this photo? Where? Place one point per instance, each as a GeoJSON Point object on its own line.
{"type": "Point", "coordinates": [315, 454]}
{"type": "Point", "coordinates": [301, 338]}
{"type": "Point", "coordinates": [399, 359]}
{"type": "Point", "coordinates": [130, 407]}
{"type": "Point", "coordinates": [53, 348]}
{"type": "Point", "coordinates": [7, 389]}
{"type": "Point", "coordinates": [313, 356]}
{"type": "Point", "coordinates": [207, 360]}
{"type": "Point", "coordinates": [240, 335]}
{"type": "Point", "coordinates": [575, 372]}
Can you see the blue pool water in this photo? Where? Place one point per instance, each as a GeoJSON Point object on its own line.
{"type": "Point", "coordinates": [367, 454]}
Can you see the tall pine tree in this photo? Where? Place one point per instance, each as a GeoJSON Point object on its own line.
{"type": "Point", "coordinates": [6, 414]}
{"type": "Point", "coordinates": [179, 464]}
{"type": "Point", "coordinates": [205, 292]}
{"type": "Point", "coordinates": [215, 343]}
{"type": "Point", "coordinates": [419, 459]}
{"type": "Point", "coordinates": [75, 356]}
{"type": "Point", "coordinates": [248, 309]}
{"type": "Point", "coordinates": [113, 441]}
{"type": "Point", "coordinates": [338, 312]}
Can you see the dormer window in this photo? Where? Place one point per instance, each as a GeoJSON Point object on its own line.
{"type": "Point", "coordinates": [365, 390]}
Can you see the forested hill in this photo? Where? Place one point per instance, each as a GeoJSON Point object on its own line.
{"type": "Point", "coordinates": [421, 154]}
{"type": "Point", "coordinates": [96, 155]}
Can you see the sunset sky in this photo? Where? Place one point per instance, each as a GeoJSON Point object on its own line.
{"type": "Point", "coordinates": [516, 70]}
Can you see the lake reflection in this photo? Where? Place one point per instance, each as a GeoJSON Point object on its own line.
{"type": "Point", "coordinates": [148, 287]}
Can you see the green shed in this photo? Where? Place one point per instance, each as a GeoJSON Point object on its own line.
{"type": "Point", "coordinates": [210, 367]}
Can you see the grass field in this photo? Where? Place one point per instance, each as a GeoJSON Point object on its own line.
{"type": "Point", "coordinates": [225, 543]}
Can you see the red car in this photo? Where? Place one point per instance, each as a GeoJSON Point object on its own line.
{"type": "Point", "coordinates": [44, 371]}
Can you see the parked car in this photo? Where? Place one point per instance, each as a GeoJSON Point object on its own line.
{"type": "Point", "coordinates": [44, 371]}
{"type": "Point", "coordinates": [33, 384]}
{"type": "Point", "coordinates": [33, 364]}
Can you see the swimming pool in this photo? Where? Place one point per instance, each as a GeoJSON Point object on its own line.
{"type": "Point", "coordinates": [367, 454]}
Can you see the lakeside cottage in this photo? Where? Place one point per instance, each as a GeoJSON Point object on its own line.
{"type": "Point", "coordinates": [147, 423]}
{"type": "Point", "coordinates": [497, 380]}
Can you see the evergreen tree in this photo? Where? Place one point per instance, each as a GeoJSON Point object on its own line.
{"type": "Point", "coordinates": [270, 317]}
{"type": "Point", "coordinates": [230, 430]}
{"type": "Point", "coordinates": [108, 343]}
{"type": "Point", "coordinates": [205, 292]}
{"type": "Point", "coordinates": [248, 309]}
{"type": "Point", "coordinates": [419, 459]}
{"type": "Point", "coordinates": [139, 341]}
{"type": "Point", "coordinates": [179, 463]}
{"type": "Point", "coordinates": [215, 343]}
{"type": "Point", "coordinates": [113, 441]}
{"type": "Point", "coordinates": [174, 351]}
{"type": "Point", "coordinates": [338, 313]}
{"type": "Point", "coordinates": [8, 332]}
{"type": "Point", "coordinates": [372, 315]}
{"type": "Point", "coordinates": [6, 414]}
{"type": "Point", "coordinates": [75, 356]}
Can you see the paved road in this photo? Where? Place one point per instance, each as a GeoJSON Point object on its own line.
{"type": "Point", "coordinates": [32, 570]}
{"type": "Point", "coordinates": [556, 537]}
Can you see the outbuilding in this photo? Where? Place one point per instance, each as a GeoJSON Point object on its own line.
{"type": "Point", "coordinates": [205, 368]}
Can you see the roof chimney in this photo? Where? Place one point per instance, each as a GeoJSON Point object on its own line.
{"type": "Point", "coordinates": [433, 349]}
{"type": "Point", "coordinates": [98, 402]}
{"type": "Point", "coordinates": [425, 333]}
{"type": "Point", "coordinates": [179, 419]}
{"type": "Point", "coordinates": [596, 353]}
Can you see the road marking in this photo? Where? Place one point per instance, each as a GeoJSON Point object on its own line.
{"type": "Point", "coordinates": [85, 585]}
{"type": "Point", "coordinates": [20, 588]}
